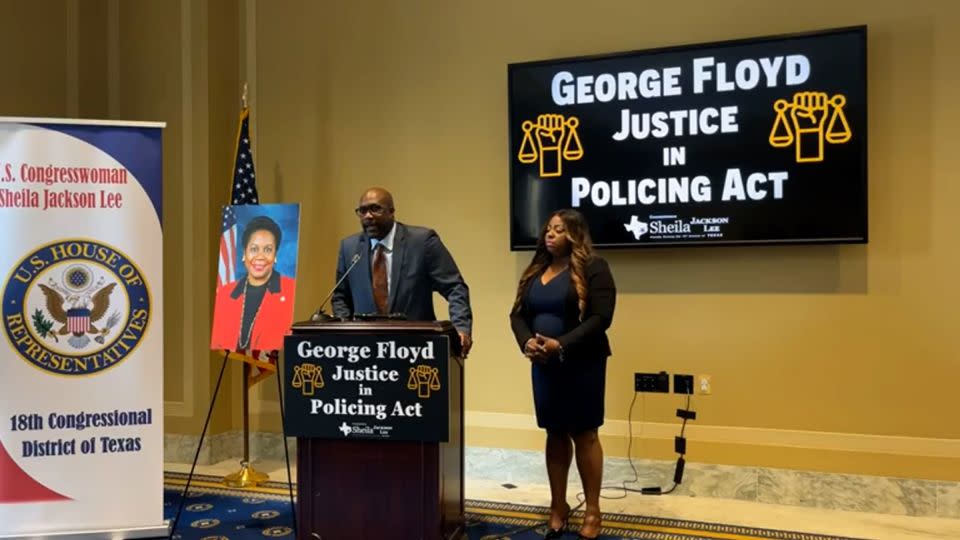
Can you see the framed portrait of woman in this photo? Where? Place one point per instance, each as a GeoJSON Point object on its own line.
{"type": "Point", "coordinates": [256, 278]}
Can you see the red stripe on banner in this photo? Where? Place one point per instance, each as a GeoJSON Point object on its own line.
{"type": "Point", "coordinates": [19, 487]}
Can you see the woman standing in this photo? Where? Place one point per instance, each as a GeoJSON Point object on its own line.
{"type": "Point", "coordinates": [564, 305]}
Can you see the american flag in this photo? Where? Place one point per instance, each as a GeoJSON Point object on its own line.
{"type": "Point", "coordinates": [227, 265]}
{"type": "Point", "coordinates": [242, 191]}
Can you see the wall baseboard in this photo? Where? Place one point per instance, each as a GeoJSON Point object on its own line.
{"type": "Point", "coordinates": [813, 440]}
{"type": "Point", "coordinates": [845, 453]}
{"type": "Point", "coordinates": [179, 448]}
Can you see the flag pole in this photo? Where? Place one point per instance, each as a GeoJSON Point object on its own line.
{"type": "Point", "coordinates": [247, 476]}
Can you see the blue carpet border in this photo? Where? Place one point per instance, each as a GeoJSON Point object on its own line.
{"type": "Point", "coordinates": [531, 516]}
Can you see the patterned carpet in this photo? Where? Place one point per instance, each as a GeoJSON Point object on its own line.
{"type": "Point", "coordinates": [215, 512]}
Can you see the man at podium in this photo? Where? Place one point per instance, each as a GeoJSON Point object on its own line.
{"type": "Point", "coordinates": [394, 268]}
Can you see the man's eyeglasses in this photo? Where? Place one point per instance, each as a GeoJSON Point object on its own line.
{"type": "Point", "coordinates": [372, 209]}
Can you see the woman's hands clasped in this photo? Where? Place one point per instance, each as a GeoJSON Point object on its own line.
{"type": "Point", "coordinates": [541, 348]}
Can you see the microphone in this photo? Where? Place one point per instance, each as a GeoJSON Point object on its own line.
{"type": "Point", "coordinates": [320, 315]}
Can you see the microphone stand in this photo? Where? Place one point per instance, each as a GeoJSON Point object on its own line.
{"type": "Point", "coordinates": [321, 315]}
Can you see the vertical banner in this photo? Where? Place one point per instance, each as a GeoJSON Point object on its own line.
{"type": "Point", "coordinates": [81, 360]}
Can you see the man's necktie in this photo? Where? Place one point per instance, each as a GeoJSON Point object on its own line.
{"type": "Point", "coordinates": [380, 292]}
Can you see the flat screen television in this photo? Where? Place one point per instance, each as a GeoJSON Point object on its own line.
{"type": "Point", "coordinates": [752, 141]}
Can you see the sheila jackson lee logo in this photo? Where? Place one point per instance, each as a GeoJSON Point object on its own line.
{"type": "Point", "coordinates": [75, 307]}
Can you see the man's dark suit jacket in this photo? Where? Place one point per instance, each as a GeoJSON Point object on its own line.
{"type": "Point", "coordinates": [421, 264]}
{"type": "Point", "coordinates": [587, 338]}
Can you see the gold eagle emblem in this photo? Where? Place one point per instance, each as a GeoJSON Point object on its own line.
{"type": "Point", "coordinates": [100, 301]}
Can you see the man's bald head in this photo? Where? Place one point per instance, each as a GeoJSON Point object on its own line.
{"type": "Point", "coordinates": [378, 195]}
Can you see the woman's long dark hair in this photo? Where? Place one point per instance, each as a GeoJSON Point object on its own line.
{"type": "Point", "coordinates": [578, 233]}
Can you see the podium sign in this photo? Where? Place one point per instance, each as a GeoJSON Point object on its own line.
{"type": "Point", "coordinates": [391, 386]}
{"type": "Point", "coordinates": [376, 403]}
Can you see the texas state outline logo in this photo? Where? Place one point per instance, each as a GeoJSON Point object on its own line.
{"type": "Point", "coordinates": [76, 307]}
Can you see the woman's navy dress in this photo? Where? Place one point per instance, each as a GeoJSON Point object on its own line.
{"type": "Point", "coordinates": [568, 395]}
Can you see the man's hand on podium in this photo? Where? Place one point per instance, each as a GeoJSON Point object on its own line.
{"type": "Point", "coordinates": [466, 342]}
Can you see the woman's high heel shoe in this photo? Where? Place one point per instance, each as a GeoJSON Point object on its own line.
{"type": "Point", "coordinates": [558, 532]}
{"type": "Point", "coordinates": [591, 522]}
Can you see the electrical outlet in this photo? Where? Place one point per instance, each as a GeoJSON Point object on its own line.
{"type": "Point", "coordinates": [704, 384]}
{"type": "Point", "coordinates": [682, 384]}
{"type": "Point", "coordinates": [651, 382]}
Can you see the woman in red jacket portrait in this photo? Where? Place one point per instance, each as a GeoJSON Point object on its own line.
{"type": "Point", "coordinates": [255, 311]}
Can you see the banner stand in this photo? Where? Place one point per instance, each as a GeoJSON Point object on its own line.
{"type": "Point", "coordinates": [81, 352]}
{"type": "Point", "coordinates": [115, 534]}
{"type": "Point", "coordinates": [203, 434]}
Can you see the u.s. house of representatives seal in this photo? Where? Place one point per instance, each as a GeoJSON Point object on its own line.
{"type": "Point", "coordinates": [75, 307]}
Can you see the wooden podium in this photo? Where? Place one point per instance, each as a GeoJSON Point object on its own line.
{"type": "Point", "coordinates": [367, 477]}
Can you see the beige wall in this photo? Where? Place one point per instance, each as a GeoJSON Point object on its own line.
{"type": "Point", "coordinates": [808, 345]}
{"type": "Point", "coordinates": [833, 358]}
{"type": "Point", "coordinates": [149, 60]}
{"type": "Point", "coordinates": [35, 66]}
